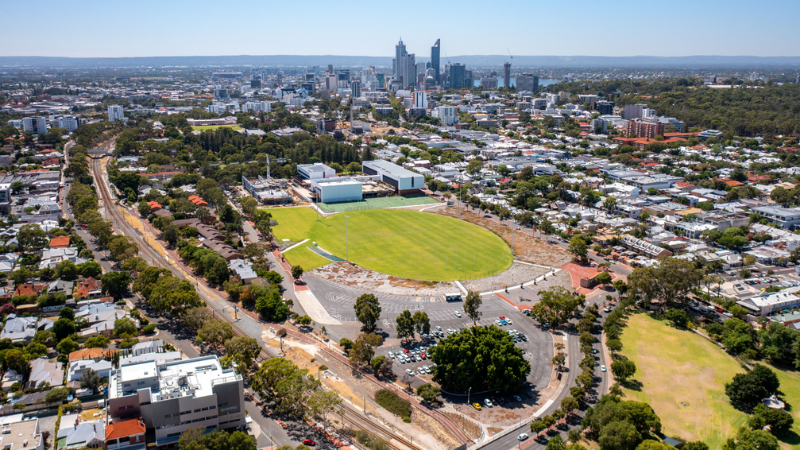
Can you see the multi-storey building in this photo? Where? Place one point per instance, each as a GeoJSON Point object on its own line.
{"type": "Point", "coordinates": [645, 129]}
{"type": "Point", "coordinates": [174, 396]}
{"type": "Point", "coordinates": [116, 112]}
{"type": "Point", "coordinates": [36, 125]}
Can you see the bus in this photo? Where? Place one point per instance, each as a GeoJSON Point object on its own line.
{"type": "Point", "coordinates": [456, 297]}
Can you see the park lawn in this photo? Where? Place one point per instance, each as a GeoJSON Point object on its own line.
{"type": "Point", "coordinates": [294, 224]}
{"type": "Point", "coordinates": [305, 258]}
{"type": "Point", "coordinates": [683, 378]}
{"type": "Point", "coordinates": [790, 394]}
{"type": "Point", "coordinates": [413, 244]}
{"type": "Point", "coordinates": [214, 127]}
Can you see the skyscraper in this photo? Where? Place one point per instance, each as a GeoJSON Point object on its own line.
{"type": "Point", "coordinates": [117, 112]}
{"type": "Point", "coordinates": [399, 56]}
{"type": "Point", "coordinates": [507, 74]}
{"type": "Point", "coordinates": [527, 82]}
{"type": "Point", "coordinates": [435, 60]}
{"type": "Point", "coordinates": [457, 76]}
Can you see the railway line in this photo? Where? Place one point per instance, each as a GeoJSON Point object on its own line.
{"type": "Point", "coordinates": [212, 299]}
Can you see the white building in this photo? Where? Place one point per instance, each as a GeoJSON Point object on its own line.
{"type": "Point", "coordinates": [116, 112]}
{"type": "Point", "coordinates": [337, 189]}
{"type": "Point", "coordinates": [173, 396]}
{"type": "Point", "coordinates": [420, 99]}
{"type": "Point", "coordinates": [771, 303]}
{"type": "Point", "coordinates": [447, 114]}
{"type": "Point", "coordinates": [404, 181]}
{"type": "Point", "coordinates": [315, 171]}
{"type": "Point", "coordinates": [68, 122]}
{"type": "Point", "coordinates": [257, 106]}
{"type": "Point", "coordinates": [22, 435]}
{"type": "Point", "coordinates": [36, 125]}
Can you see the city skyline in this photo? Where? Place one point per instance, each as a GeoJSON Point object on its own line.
{"type": "Point", "coordinates": [105, 29]}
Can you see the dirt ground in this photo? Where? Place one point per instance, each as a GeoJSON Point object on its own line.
{"type": "Point", "coordinates": [526, 247]}
{"type": "Point", "coordinates": [345, 274]}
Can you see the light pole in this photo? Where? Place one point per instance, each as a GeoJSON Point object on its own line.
{"type": "Point", "coordinates": [346, 242]}
{"type": "Point", "coordinates": [468, 395]}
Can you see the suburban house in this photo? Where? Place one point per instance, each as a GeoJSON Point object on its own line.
{"type": "Point", "coordinates": [89, 288]}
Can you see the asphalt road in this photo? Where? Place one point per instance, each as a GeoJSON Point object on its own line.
{"type": "Point", "coordinates": [510, 440]}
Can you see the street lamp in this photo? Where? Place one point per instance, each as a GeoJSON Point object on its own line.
{"type": "Point", "coordinates": [468, 395]}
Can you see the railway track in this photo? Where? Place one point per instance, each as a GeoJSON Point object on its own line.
{"type": "Point", "coordinates": [213, 301]}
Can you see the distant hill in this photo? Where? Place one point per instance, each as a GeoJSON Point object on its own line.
{"type": "Point", "coordinates": [470, 60]}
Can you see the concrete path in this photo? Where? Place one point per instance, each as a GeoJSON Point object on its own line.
{"type": "Point", "coordinates": [313, 308]}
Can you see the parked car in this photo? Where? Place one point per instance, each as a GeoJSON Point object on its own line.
{"type": "Point", "coordinates": [308, 441]}
{"type": "Point", "coordinates": [457, 313]}
{"type": "Point", "coordinates": [476, 406]}
{"type": "Point", "coordinates": [517, 398]}
{"type": "Point", "coordinates": [522, 436]}
{"type": "Point", "coordinates": [602, 368]}
{"type": "Point", "coordinates": [487, 402]}
{"type": "Point", "coordinates": [409, 371]}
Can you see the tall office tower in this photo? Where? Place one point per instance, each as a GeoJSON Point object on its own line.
{"type": "Point", "coordinates": [507, 74]}
{"type": "Point", "coordinates": [420, 99]}
{"type": "Point", "coordinates": [457, 76]}
{"type": "Point", "coordinates": [117, 112]}
{"type": "Point", "coordinates": [381, 80]}
{"type": "Point", "coordinates": [310, 76]}
{"type": "Point", "coordinates": [409, 75]}
{"type": "Point", "coordinates": [356, 87]}
{"type": "Point", "coordinates": [399, 58]}
{"type": "Point", "coordinates": [527, 82]}
{"type": "Point", "coordinates": [330, 68]}
{"type": "Point", "coordinates": [435, 60]}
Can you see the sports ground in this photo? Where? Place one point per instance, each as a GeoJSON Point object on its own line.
{"type": "Point", "coordinates": [378, 203]}
{"type": "Point", "coordinates": [407, 244]}
{"type": "Point", "coordinates": [214, 127]}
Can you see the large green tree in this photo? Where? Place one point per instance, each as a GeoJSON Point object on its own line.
{"type": "Point", "coordinates": [557, 306]}
{"type": "Point", "coordinates": [472, 305]}
{"type": "Point", "coordinates": [670, 281]}
{"type": "Point", "coordinates": [368, 311]}
{"type": "Point", "coordinates": [481, 358]}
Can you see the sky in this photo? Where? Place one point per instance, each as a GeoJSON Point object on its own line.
{"type": "Point", "coordinates": [103, 28]}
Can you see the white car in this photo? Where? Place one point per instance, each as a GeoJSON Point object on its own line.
{"type": "Point", "coordinates": [457, 313]}
{"type": "Point", "coordinates": [409, 371]}
{"type": "Point", "coordinates": [391, 355]}
{"type": "Point", "coordinates": [438, 328]}
{"type": "Point", "coordinates": [487, 402]}
{"type": "Point", "coordinates": [509, 322]}
{"type": "Point", "coordinates": [522, 436]}
{"type": "Point", "coordinates": [602, 368]}
{"type": "Point", "coordinates": [498, 322]}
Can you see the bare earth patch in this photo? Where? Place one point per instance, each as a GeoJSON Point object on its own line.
{"type": "Point", "coordinates": [348, 275]}
{"type": "Point", "coordinates": [526, 247]}
{"type": "Point", "coordinates": [516, 274]}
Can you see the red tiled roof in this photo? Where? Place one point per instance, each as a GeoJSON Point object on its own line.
{"type": "Point", "coordinates": [734, 183]}
{"type": "Point", "coordinates": [29, 289]}
{"type": "Point", "coordinates": [125, 428]}
{"type": "Point", "coordinates": [88, 285]}
{"type": "Point", "coordinates": [59, 242]}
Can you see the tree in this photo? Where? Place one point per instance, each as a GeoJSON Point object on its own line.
{"type": "Point", "coordinates": [69, 313]}
{"type": "Point", "coordinates": [472, 305]}
{"type": "Point", "coordinates": [428, 392]}
{"type": "Point", "coordinates": [603, 278]}
{"type": "Point", "coordinates": [671, 281]}
{"type": "Point", "coordinates": [97, 342]}
{"type": "Point", "coordinates": [578, 247]}
{"type": "Point", "coordinates": [556, 306]}
{"type": "Point", "coordinates": [297, 272]}
{"type": "Point", "coordinates": [623, 368]}
{"type": "Point", "coordinates": [171, 234]}
{"type": "Point", "coordinates": [695, 445]}
{"type": "Point", "coordinates": [481, 358]}
{"type": "Point", "coordinates": [93, 269]}
{"type": "Point", "coordinates": [650, 444]}
{"type": "Point", "coordinates": [214, 333]}
{"type": "Point", "coordinates": [363, 348]}
{"type": "Point", "coordinates": [63, 328]}
{"type": "Point", "coordinates": [619, 435]}
{"type": "Point", "coordinates": [219, 273]}
{"type": "Point", "coordinates": [556, 443]}
{"type": "Point", "coordinates": [346, 344]}
{"type": "Point", "coordinates": [320, 403]}
{"type": "Point", "coordinates": [778, 420]}
{"type": "Point", "coordinates": [368, 311]}
{"type": "Point", "coordinates": [422, 323]}
{"type": "Point", "coordinates": [243, 350]}
{"type": "Point", "coordinates": [559, 360]}
{"type": "Point", "coordinates": [90, 379]}
{"type": "Point", "coordinates": [194, 318]}
{"type": "Point", "coordinates": [115, 284]}
{"type": "Point", "coordinates": [124, 327]}
{"type": "Point", "coordinates": [752, 439]}
{"type": "Point", "coordinates": [67, 346]}
{"type": "Point", "coordinates": [679, 317]}
{"type": "Point", "coordinates": [405, 326]}
{"type": "Point", "coordinates": [66, 270]}
{"type": "Point", "coordinates": [144, 208]}
{"type": "Point", "coordinates": [281, 381]}
{"type": "Point", "coordinates": [747, 389]}
{"type": "Point", "coordinates": [57, 395]}
{"type": "Point", "coordinates": [569, 404]}
{"type": "Point", "coordinates": [15, 359]}
{"type": "Point", "coordinates": [32, 238]}
{"type": "Point", "coordinates": [537, 426]}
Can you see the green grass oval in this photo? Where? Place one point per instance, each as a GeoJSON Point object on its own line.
{"type": "Point", "coordinates": [412, 244]}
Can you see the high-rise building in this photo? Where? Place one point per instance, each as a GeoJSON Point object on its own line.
{"type": "Point", "coordinates": [457, 76]}
{"type": "Point", "coordinates": [221, 93]}
{"type": "Point", "coordinates": [645, 129]}
{"type": "Point", "coordinates": [404, 66]}
{"type": "Point", "coordinates": [604, 107]}
{"type": "Point", "coordinates": [435, 60]}
{"type": "Point", "coordinates": [381, 80]}
{"type": "Point", "coordinates": [634, 111]}
{"type": "Point", "coordinates": [507, 74]}
{"type": "Point", "coordinates": [399, 58]}
{"type": "Point", "coordinates": [527, 82]}
{"type": "Point", "coordinates": [36, 124]}
{"type": "Point", "coordinates": [420, 99]}
{"type": "Point", "coordinates": [489, 82]}
{"type": "Point", "coordinates": [356, 87]}
{"type": "Point", "coordinates": [117, 112]}
{"type": "Point", "coordinates": [330, 68]}
{"type": "Point", "coordinates": [70, 123]}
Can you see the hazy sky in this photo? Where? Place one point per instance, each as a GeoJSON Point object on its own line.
{"type": "Point", "coordinates": [111, 28]}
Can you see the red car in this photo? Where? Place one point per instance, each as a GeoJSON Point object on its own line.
{"type": "Point", "coordinates": [502, 317]}
{"type": "Point", "coordinates": [406, 351]}
{"type": "Point", "coordinates": [422, 354]}
{"type": "Point", "coordinates": [308, 441]}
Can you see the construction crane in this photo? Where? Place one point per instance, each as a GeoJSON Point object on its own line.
{"type": "Point", "coordinates": [509, 53]}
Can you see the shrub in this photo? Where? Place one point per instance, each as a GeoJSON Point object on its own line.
{"type": "Point", "coordinates": [149, 329]}
{"type": "Point", "coordinates": [393, 403]}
